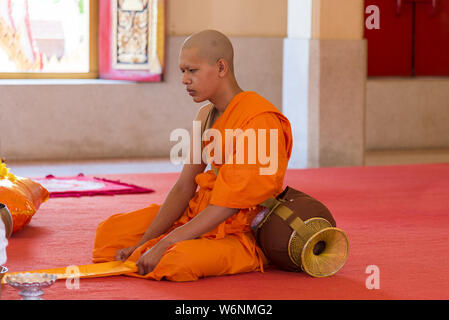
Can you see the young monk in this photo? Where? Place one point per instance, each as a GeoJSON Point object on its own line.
{"type": "Point", "coordinates": [207, 232]}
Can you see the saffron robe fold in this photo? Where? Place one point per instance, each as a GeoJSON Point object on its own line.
{"type": "Point", "coordinates": [230, 247]}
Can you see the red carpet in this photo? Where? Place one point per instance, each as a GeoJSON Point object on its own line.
{"type": "Point", "coordinates": [396, 218]}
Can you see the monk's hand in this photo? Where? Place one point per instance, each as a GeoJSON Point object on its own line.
{"type": "Point", "coordinates": [123, 254]}
{"type": "Point", "coordinates": [151, 258]}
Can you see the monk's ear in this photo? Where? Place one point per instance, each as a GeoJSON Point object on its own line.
{"type": "Point", "coordinates": [223, 67]}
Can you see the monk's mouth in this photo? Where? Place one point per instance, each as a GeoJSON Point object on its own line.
{"type": "Point", "coordinates": [191, 92]}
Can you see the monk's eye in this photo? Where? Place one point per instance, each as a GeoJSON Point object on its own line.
{"type": "Point", "coordinates": [192, 70]}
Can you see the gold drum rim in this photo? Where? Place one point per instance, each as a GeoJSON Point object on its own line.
{"type": "Point", "coordinates": [331, 259]}
{"type": "Point", "coordinates": [296, 243]}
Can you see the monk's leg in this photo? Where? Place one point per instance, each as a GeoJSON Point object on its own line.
{"type": "Point", "coordinates": [193, 259]}
{"type": "Point", "coordinates": [121, 231]}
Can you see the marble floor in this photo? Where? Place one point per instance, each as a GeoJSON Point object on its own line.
{"type": "Point", "coordinates": [398, 157]}
{"type": "Point", "coordinates": [90, 167]}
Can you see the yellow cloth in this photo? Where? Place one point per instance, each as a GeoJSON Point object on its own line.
{"type": "Point", "coordinates": [87, 271]}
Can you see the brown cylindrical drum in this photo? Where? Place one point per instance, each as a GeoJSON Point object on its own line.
{"type": "Point", "coordinates": [298, 233]}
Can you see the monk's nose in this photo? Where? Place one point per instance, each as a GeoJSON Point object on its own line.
{"type": "Point", "coordinates": [186, 79]}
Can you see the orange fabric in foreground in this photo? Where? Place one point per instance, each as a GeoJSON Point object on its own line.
{"type": "Point", "coordinates": [229, 248]}
{"type": "Point", "coordinates": [23, 198]}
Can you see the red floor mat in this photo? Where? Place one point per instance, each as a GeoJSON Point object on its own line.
{"type": "Point", "coordinates": [396, 218]}
{"type": "Point", "coordinates": [82, 186]}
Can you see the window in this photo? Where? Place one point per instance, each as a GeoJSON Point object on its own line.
{"type": "Point", "coordinates": [109, 39]}
{"type": "Point", "coordinates": [48, 39]}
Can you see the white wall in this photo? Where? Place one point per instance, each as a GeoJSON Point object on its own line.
{"type": "Point", "coordinates": [97, 120]}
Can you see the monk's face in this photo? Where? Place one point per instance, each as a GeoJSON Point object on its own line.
{"type": "Point", "coordinates": [198, 75]}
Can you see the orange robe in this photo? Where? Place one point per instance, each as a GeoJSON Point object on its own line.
{"type": "Point", "coordinates": [229, 248]}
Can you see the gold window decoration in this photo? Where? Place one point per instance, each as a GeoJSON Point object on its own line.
{"type": "Point", "coordinates": [138, 35]}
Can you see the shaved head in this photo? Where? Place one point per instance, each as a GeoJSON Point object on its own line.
{"type": "Point", "coordinates": [212, 46]}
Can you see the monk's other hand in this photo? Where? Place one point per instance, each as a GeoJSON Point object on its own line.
{"type": "Point", "coordinates": [123, 254]}
{"type": "Point", "coordinates": [150, 259]}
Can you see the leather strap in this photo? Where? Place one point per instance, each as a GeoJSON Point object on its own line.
{"type": "Point", "coordinates": [207, 123]}
{"type": "Point", "coordinates": [285, 213]}
{"type": "Point", "coordinates": [214, 169]}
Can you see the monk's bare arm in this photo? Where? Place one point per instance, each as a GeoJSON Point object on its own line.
{"type": "Point", "coordinates": [204, 222]}
{"type": "Point", "coordinates": [174, 205]}
{"type": "Point", "coordinates": [179, 196]}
